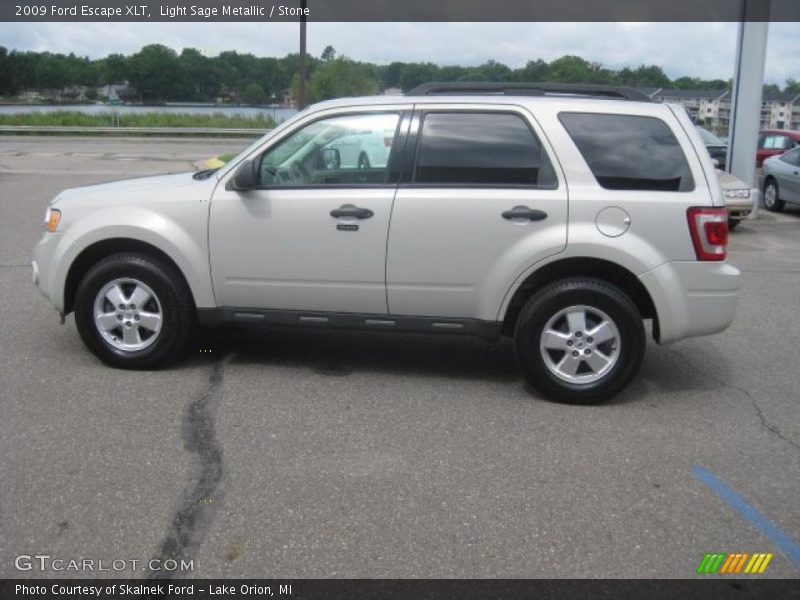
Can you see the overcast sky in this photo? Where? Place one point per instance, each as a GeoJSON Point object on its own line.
{"type": "Point", "coordinates": [695, 49]}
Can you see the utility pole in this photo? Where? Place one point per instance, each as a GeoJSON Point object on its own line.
{"type": "Point", "coordinates": [301, 92]}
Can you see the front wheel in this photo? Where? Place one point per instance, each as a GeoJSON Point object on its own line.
{"type": "Point", "coordinates": [134, 311]}
{"type": "Point", "coordinates": [732, 224]}
{"type": "Point", "coordinates": [579, 340]}
{"type": "Point", "coordinates": [772, 201]}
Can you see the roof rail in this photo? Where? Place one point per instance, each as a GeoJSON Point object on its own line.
{"type": "Point", "coordinates": [528, 89]}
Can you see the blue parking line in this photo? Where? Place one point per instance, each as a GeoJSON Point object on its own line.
{"type": "Point", "coordinates": [787, 545]}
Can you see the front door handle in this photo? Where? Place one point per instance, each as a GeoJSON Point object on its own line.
{"type": "Point", "coordinates": [523, 212]}
{"type": "Point", "coordinates": [352, 211]}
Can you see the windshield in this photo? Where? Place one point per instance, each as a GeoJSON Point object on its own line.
{"type": "Point", "coordinates": [709, 139]}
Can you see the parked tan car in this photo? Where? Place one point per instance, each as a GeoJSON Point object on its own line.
{"type": "Point", "coordinates": [739, 198]}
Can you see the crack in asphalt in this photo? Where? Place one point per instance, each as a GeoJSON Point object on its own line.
{"type": "Point", "coordinates": [202, 493]}
{"type": "Point", "coordinates": [765, 424]}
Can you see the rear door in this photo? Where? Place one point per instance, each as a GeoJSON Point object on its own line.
{"type": "Point", "coordinates": [482, 199]}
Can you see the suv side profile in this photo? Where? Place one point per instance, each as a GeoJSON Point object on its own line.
{"type": "Point", "coordinates": [563, 216]}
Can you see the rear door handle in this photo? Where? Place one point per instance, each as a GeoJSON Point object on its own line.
{"type": "Point", "coordinates": [352, 211]}
{"type": "Point", "coordinates": [523, 212]}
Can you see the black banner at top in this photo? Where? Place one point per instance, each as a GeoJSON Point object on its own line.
{"type": "Point", "coordinates": [399, 10]}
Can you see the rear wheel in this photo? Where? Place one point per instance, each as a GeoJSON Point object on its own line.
{"type": "Point", "coordinates": [134, 311]}
{"type": "Point", "coordinates": [732, 224]}
{"type": "Point", "coordinates": [772, 201]}
{"type": "Point", "coordinates": [579, 340]}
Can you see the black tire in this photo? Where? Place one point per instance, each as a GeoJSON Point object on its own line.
{"type": "Point", "coordinates": [594, 294]}
{"type": "Point", "coordinates": [732, 224]}
{"type": "Point", "coordinates": [777, 204]}
{"type": "Point", "coordinates": [363, 161]}
{"type": "Point", "coordinates": [176, 307]}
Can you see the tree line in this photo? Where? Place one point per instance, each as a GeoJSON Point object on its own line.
{"type": "Point", "coordinates": [157, 73]}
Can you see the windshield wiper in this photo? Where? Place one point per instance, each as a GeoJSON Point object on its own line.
{"type": "Point", "coordinates": [204, 174]}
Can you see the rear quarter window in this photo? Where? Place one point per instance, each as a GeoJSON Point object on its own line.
{"type": "Point", "coordinates": [630, 152]}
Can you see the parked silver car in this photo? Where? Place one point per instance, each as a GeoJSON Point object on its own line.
{"type": "Point", "coordinates": [781, 177]}
{"type": "Point", "coordinates": [561, 216]}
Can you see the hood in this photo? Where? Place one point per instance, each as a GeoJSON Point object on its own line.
{"type": "Point", "coordinates": [730, 182]}
{"type": "Point", "coordinates": [139, 189]}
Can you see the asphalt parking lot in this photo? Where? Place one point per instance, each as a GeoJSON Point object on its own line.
{"type": "Point", "coordinates": [300, 454]}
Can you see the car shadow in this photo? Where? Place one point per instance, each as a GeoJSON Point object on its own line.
{"type": "Point", "coordinates": [668, 372]}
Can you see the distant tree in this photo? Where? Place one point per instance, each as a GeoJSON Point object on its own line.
{"type": "Point", "coordinates": [792, 86]}
{"type": "Point", "coordinates": [648, 76]}
{"type": "Point", "coordinates": [414, 74]}
{"type": "Point", "coordinates": [155, 72]}
{"type": "Point", "coordinates": [571, 69]}
{"type": "Point", "coordinates": [687, 83]}
{"type": "Point", "coordinates": [771, 88]}
{"type": "Point", "coordinates": [534, 71]}
{"type": "Point", "coordinates": [341, 77]}
{"type": "Point", "coordinates": [391, 76]}
{"type": "Point", "coordinates": [91, 94]}
{"type": "Point", "coordinates": [114, 68]}
{"type": "Point", "coordinates": [328, 54]}
{"type": "Point", "coordinates": [495, 71]}
{"type": "Point", "coordinates": [253, 94]}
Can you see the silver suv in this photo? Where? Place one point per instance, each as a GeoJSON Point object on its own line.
{"type": "Point", "coordinates": [562, 216]}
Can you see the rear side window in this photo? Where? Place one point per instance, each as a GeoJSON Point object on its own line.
{"type": "Point", "coordinates": [793, 157]}
{"type": "Point", "coordinates": [776, 142]}
{"type": "Point", "coordinates": [481, 149]}
{"type": "Point", "coordinates": [628, 152]}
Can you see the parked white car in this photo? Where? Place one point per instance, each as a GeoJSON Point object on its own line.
{"type": "Point", "coordinates": [560, 215]}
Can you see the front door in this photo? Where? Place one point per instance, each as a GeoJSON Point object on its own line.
{"type": "Point", "coordinates": [313, 235]}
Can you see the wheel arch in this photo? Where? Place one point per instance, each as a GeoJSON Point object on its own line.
{"type": "Point", "coordinates": [596, 268]}
{"type": "Point", "coordinates": [95, 252]}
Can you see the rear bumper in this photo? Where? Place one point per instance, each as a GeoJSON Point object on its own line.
{"type": "Point", "coordinates": [692, 298]}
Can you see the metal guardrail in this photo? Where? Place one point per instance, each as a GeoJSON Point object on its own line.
{"type": "Point", "coordinates": [153, 131]}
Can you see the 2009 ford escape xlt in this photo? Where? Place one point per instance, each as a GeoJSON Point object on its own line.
{"type": "Point", "coordinates": [563, 216]}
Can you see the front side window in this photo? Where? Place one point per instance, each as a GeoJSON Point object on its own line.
{"type": "Point", "coordinates": [468, 148]}
{"type": "Point", "coordinates": [629, 152]}
{"type": "Point", "coordinates": [341, 150]}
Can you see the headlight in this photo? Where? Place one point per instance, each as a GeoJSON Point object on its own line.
{"type": "Point", "coordinates": [737, 194]}
{"type": "Point", "coordinates": [51, 219]}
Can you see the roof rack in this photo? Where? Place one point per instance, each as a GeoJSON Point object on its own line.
{"type": "Point", "coordinates": [528, 89]}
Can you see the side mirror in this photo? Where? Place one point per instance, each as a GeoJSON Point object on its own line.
{"type": "Point", "coordinates": [244, 178]}
{"type": "Point", "coordinates": [331, 159]}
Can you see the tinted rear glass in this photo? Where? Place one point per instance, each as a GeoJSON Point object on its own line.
{"type": "Point", "coordinates": [481, 148]}
{"type": "Point", "coordinates": [627, 152]}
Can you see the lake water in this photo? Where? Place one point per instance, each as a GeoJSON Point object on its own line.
{"type": "Point", "coordinates": [279, 114]}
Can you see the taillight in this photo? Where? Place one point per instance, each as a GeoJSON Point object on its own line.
{"type": "Point", "coordinates": [709, 230]}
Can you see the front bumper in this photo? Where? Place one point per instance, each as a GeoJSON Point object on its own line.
{"type": "Point", "coordinates": [692, 298]}
{"type": "Point", "coordinates": [45, 261]}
